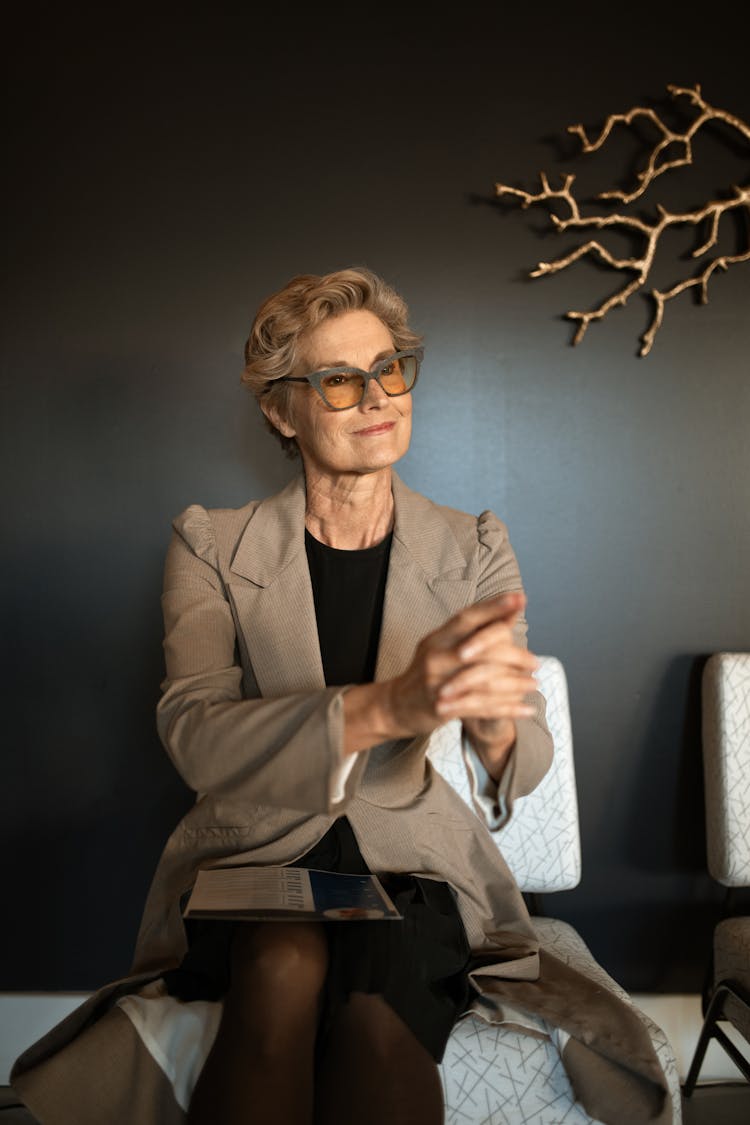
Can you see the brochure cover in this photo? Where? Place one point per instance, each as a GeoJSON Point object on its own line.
{"type": "Point", "coordinates": [288, 894]}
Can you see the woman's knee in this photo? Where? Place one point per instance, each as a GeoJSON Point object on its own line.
{"type": "Point", "coordinates": [374, 1062]}
{"type": "Point", "coordinates": [369, 1019]}
{"type": "Point", "coordinates": [280, 960]}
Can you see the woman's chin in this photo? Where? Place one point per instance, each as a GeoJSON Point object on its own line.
{"type": "Point", "coordinates": [376, 457]}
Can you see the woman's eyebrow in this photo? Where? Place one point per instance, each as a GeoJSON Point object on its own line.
{"type": "Point", "coordinates": [325, 364]}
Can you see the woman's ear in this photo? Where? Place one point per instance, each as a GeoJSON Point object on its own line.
{"type": "Point", "coordinates": [277, 418]}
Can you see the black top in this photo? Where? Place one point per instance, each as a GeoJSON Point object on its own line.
{"type": "Point", "coordinates": [348, 589]}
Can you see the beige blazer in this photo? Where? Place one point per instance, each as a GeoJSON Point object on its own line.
{"type": "Point", "coordinates": [248, 721]}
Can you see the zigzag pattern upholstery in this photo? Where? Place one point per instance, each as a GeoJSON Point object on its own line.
{"type": "Point", "coordinates": [726, 765]}
{"type": "Point", "coordinates": [541, 843]}
{"type": "Point", "coordinates": [497, 1075]}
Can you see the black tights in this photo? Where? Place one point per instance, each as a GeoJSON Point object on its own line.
{"type": "Point", "coordinates": [261, 1067]}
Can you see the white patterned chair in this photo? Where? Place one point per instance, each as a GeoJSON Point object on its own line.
{"type": "Point", "coordinates": [496, 1075]}
{"type": "Point", "coordinates": [726, 769]}
{"type": "Point", "coordinates": [493, 1075]}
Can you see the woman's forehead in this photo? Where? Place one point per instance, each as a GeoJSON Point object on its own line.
{"type": "Point", "coordinates": [356, 337]}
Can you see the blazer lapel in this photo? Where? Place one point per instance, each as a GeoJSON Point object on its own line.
{"type": "Point", "coordinates": [273, 596]}
{"type": "Point", "coordinates": [272, 592]}
{"type": "Point", "coordinates": [427, 580]}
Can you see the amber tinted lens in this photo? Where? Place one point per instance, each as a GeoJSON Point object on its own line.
{"type": "Point", "coordinates": [342, 388]}
{"type": "Point", "coordinates": [397, 375]}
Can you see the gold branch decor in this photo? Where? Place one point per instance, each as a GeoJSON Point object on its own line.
{"type": "Point", "coordinates": [648, 231]}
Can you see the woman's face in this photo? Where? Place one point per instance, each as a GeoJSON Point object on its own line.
{"type": "Point", "coordinates": [364, 438]}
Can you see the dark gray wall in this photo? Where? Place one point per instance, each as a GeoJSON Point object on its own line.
{"type": "Point", "coordinates": [164, 178]}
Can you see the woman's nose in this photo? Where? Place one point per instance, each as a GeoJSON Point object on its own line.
{"type": "Point", "coordinates": [374, 394]}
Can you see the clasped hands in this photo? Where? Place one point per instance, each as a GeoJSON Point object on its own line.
{"type": "Point", "coordinates": [470, 669]}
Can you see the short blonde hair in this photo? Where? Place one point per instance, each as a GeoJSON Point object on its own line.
{"type": "Point", "coordinates": [273, 346]}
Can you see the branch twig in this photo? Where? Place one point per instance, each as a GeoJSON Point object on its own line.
{"type": "Point", "coordinates": [653, 169]}
{"type": "Point", "coordinates": [650, 231]}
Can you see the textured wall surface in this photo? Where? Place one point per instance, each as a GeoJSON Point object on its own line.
{"type": "Point", "coordinates": [162, 181]}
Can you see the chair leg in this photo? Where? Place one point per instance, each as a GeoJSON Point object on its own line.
{"type": "Point", "coordinates": [700, 1050]}
{"type": "Point", "coordinates": [709, 1031]}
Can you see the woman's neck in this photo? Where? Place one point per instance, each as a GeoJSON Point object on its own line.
{"type": "Point", "coordinates": [350, 512]}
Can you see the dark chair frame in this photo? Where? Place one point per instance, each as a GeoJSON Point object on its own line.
{"type": "Point", "coordinates": [713, 1014]}
{"type": "Point", "coordinates": [719, 996]}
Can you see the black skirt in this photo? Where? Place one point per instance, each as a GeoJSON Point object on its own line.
{"type": "Point", "coordinates": [419, 965]}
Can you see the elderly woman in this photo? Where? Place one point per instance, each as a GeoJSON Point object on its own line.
{"type": "Point", "coordinates": [313, 642]}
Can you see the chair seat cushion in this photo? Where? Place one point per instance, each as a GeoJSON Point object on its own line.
{"type": "Point", "coordinates": [732, 964]}
{"type": "Point", "coordinates": [566, 943]}
{"type": "Point", "coordinates": [732, 951]}
{"type": "Point", "coordinates": [496, 1073]}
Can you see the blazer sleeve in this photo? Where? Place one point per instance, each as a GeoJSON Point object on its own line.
{"type": "Point", "coordinates": [531, 755]}
{"type": "Point", "coordinates": [284, 752]}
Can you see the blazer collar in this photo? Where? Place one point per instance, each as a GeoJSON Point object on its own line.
{"type": "Point", "coordinates": [424, 532]}
{"type": "Point", "coordinates": [275, 534]}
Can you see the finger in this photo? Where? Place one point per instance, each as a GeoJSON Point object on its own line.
{"type": "Point", "coordinates": [438, 665]}
{"type": "Point", "coordinates": [504, 607]}
{"type": "Point", "coordinates": [495, 642]}
{"type": "Point", "coordinates": [475, 706]}
{"type": "Point", "coordinates": [481, 677]}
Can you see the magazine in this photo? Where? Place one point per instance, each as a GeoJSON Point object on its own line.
{"type": "Point", "coordinates": [274, 894]}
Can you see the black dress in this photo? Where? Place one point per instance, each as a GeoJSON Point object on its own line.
{"type": "Point", "coordinates": [419, 964]}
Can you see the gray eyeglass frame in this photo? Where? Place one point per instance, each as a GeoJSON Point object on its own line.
{"type": "Point", "coordinates": [315, 378]}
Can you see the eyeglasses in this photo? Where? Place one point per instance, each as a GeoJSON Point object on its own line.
{"type": "Point", "coordinates": [344, 387]}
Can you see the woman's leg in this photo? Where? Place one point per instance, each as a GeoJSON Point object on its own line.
{"type": "Point", "coordinates": [375, 1070]}
{"type": "Point", "coordinates": [260, 1067]}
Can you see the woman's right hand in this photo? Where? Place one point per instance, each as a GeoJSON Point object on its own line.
{"type": "Point", "coordinates": [471, 667]}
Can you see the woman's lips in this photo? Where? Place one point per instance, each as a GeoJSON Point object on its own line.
{"type": "Point", "coordinates": [372, 431]}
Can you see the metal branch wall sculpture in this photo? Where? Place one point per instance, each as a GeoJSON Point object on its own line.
{"type": "Point", "coordinates": [650, 232]}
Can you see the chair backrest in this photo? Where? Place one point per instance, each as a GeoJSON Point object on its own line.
{"type": "Point", "coordinates": [726, 766]}
{"type": "Point", "coordinates": [541, 842]}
